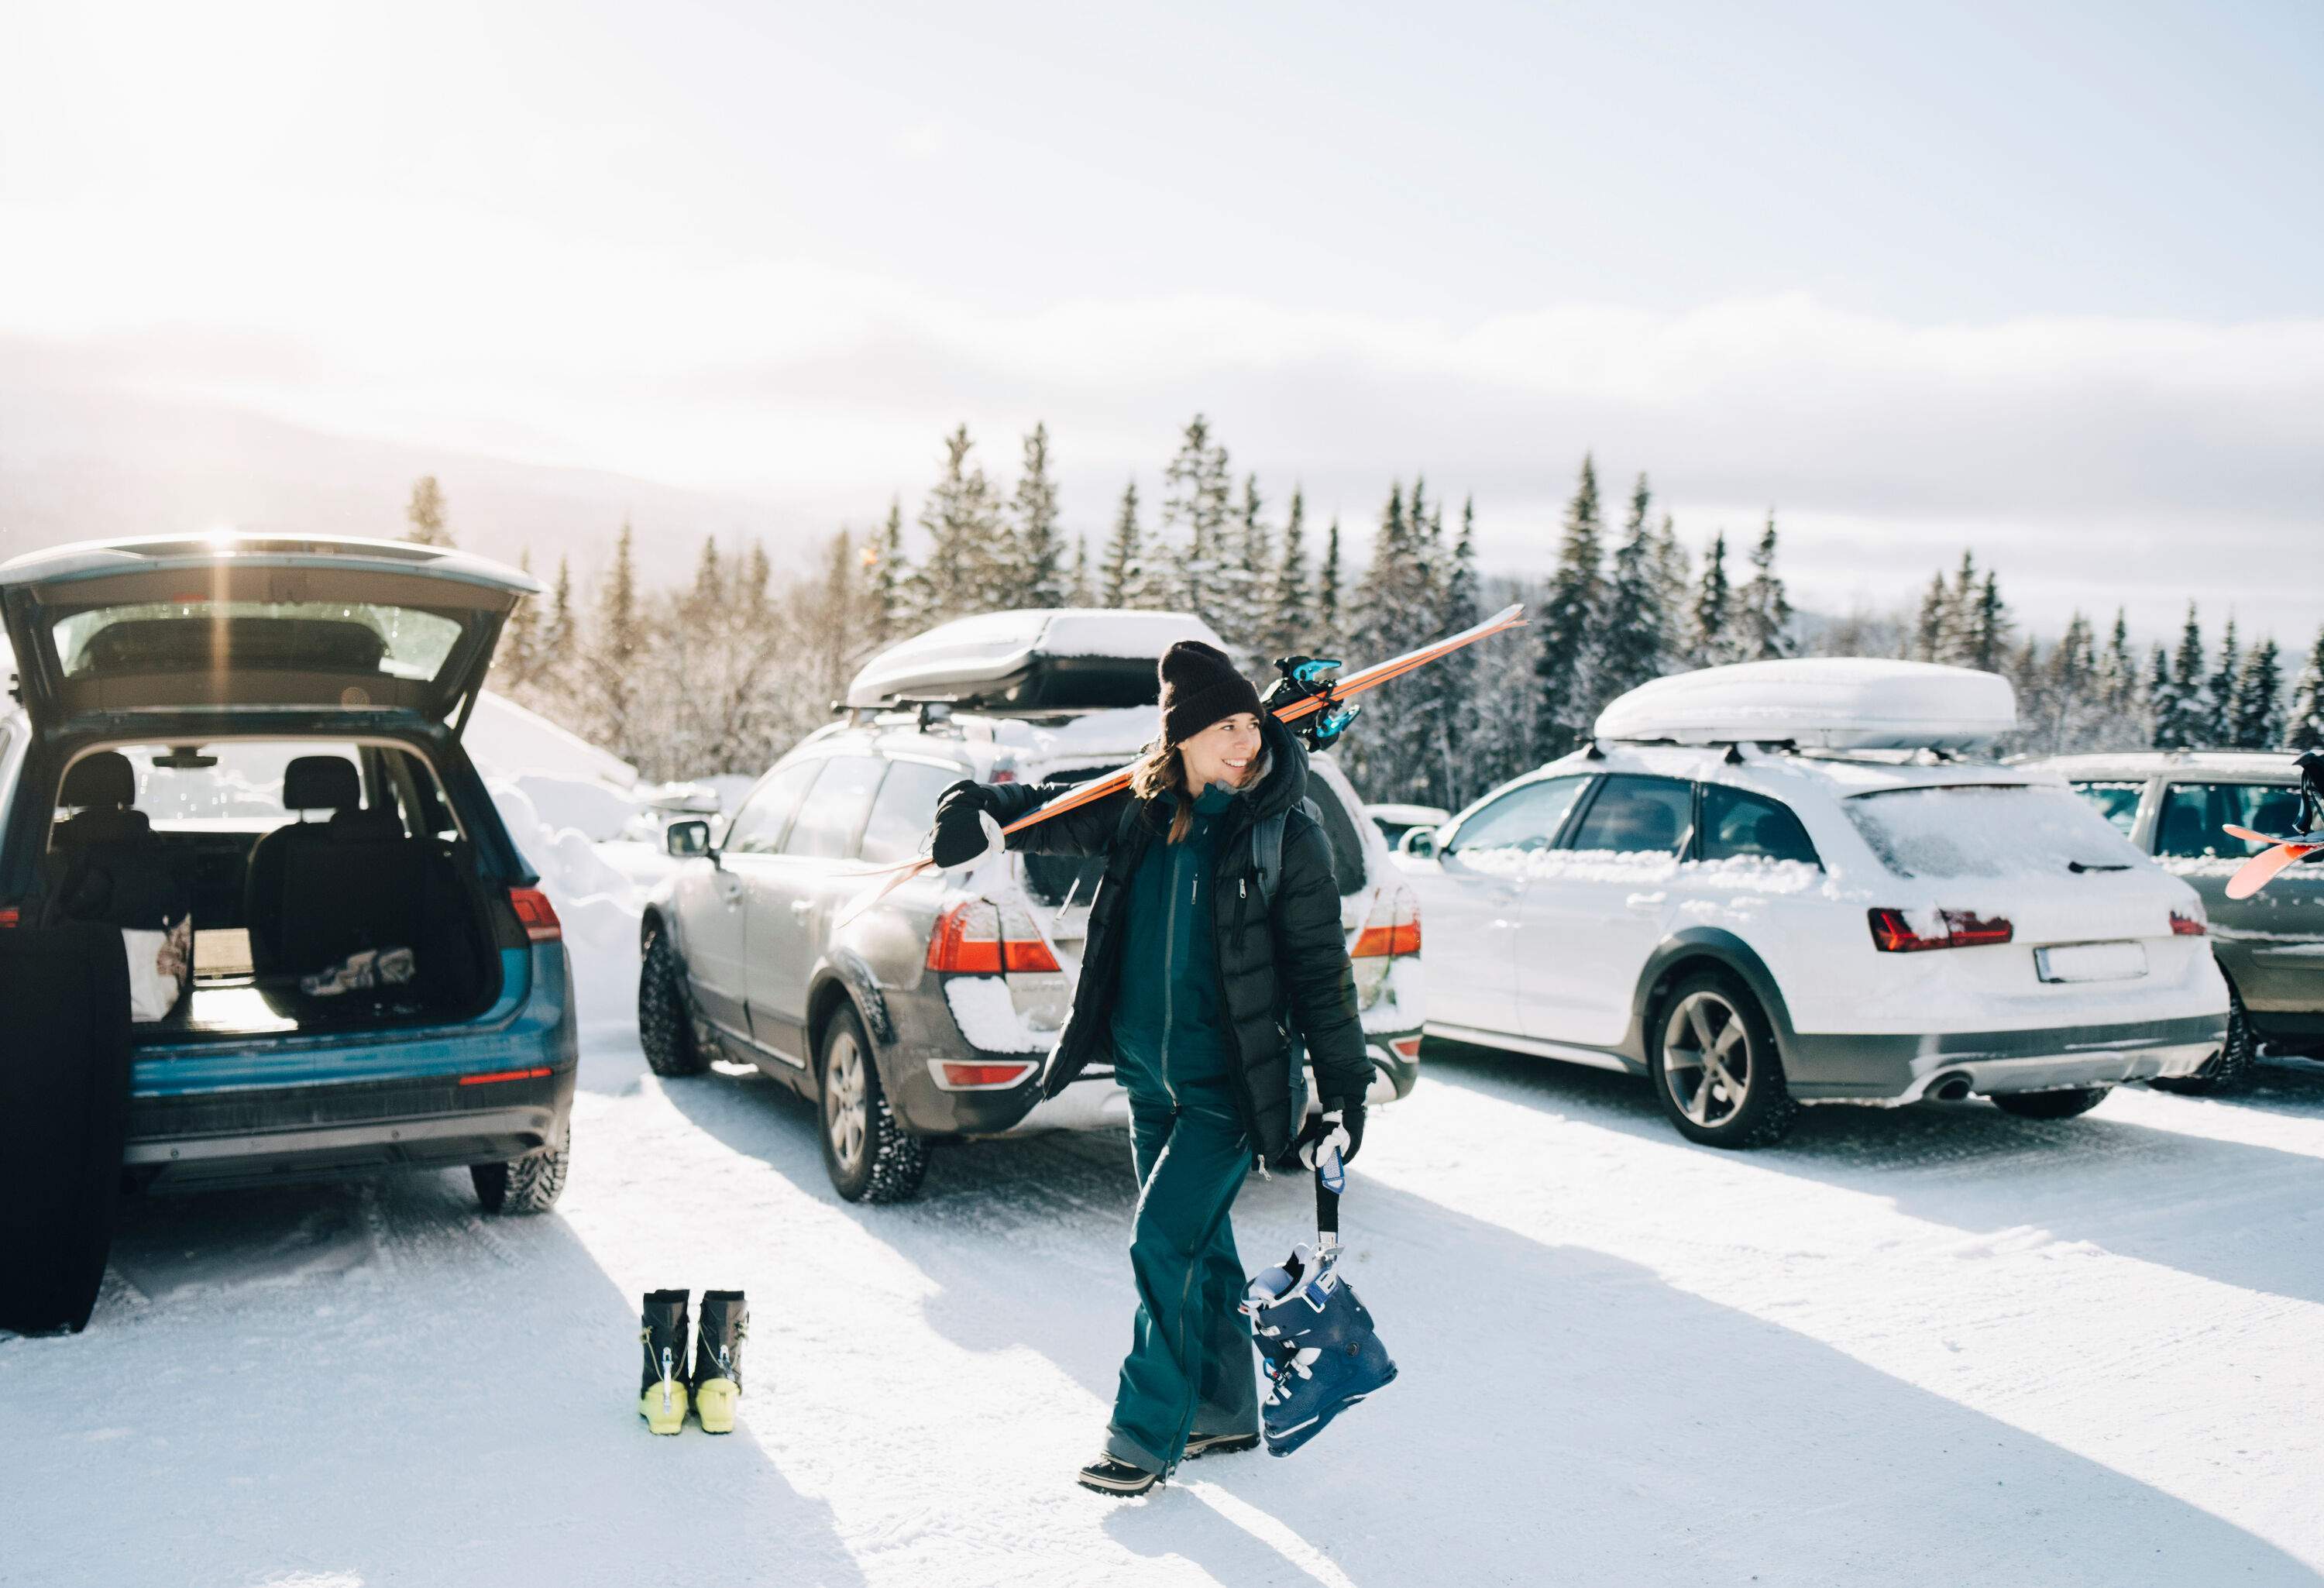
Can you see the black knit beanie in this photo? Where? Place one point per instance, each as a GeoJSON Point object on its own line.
{"type": "Point", "coordinates": [1199, 687]}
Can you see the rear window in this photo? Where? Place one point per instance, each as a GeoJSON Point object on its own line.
{"type": "Point", "coordinates": [834, 809]}
{"type": "Point", "coordinates": [2194, 815]}
{"type": "Point", "coordinates": [904, 809]}
{"type": "Point", "coordinates": [1987, 830]}
{"type": "Point", "coordinates": [1736, 825]}
{"type": "Point", "coordinates": [2118, 802]}
{"type": "Point", "coordinates": [293, 636]}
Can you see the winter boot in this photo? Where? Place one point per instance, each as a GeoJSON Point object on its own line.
{"type": "Point", "coordinates": [1201, 1444]}
{"type": "Point", "coordinates": [1317, 1345]}
{"type": "Point", "coordinates": [1116, 1478]}
{"type": "Point", "coordinates": [661, 1388]}
{"type": "Point", "coordinates": [717, 1381]}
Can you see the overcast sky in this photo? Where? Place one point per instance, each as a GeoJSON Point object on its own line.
{"type": "Point", "coordinates": [2039, 280]}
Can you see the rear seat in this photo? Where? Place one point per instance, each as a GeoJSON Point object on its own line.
{"type": "Point", "coordinates": [309, 783]}
{"type": "Point", "coordinates": [103, 863]}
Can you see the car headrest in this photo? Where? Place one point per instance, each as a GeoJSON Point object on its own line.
{"type": "Point", "coordinates": [1654, 826]}
{"type": "Point", "coordinates": [320, 782]}
{"type": "Point", "coordinates": [104, 778]}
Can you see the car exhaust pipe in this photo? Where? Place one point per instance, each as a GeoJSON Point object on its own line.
{"type": "Point", "coordinates": [1951, 1089]}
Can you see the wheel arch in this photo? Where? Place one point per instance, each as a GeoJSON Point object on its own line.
{"type": "Point", "coordinates": [1694, 949]}
{"type": "Point", "coordinates": [845, 978]}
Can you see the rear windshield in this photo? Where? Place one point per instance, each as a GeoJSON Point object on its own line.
{"type": "Point", "coordinates": [1987, 831]}
{"type": "Point", "coordinates": [299, 636]}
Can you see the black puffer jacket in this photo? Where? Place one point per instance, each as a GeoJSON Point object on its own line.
{"type": "Point", "coordinates": [1287, 971]}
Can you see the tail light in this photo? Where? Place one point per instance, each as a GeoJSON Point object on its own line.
{"type": "Point", "coordinates": [954, 1076]}
{"type": "Point", "coordinates": [537, 916]}
{"type": "Point", "coordinates": [1407, 1048]}
{"type": "Point", "coordinates": [1398, 933]}
{"type": "Point", "coordinates": [2189, 923]}
{"type": "Point", "coordinates": [1909, 931]}
{"type": "Point", "coordinates": [977, 937]}
{"type": "Point", "coordinates": [534, 1074]}
{"type": "Point", "coordinates": [8, 916]}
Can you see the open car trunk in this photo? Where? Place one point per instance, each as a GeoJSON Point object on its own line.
{"type": "Point", "coordinates": [273, 888]}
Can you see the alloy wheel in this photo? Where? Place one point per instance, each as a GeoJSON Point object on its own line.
{"type": "Point", "coordinates": [1707, 1058]}
{"type": "Point", "coordinates": [845, 1115]}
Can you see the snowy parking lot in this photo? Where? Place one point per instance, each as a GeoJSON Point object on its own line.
{"type": "Point", "coordinates": [1940, 1345]}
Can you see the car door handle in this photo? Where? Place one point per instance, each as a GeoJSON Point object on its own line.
{"type": "Point", "coordinates": [1645, 900]}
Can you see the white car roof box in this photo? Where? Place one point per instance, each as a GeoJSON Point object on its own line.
{"type": "Point", "coordinates": [1067, 658]}
{"type": "Point", "coordinates": [1820, 703]}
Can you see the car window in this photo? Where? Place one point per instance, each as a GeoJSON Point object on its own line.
{"type": "Point", "coordinates": [1525, 818]}
{"type": "Point", "coordinates": [1987, 830]}
{"type": "Point", "coordinates": [758, 826]}
{"type": "Point", "coordinates": [1736, 825]}
{"type": "Point", "coordinates": [1347, 845]}
{"type": "Point", "coordinates": [1637, 816]}
{"type": "Point", "coordinates": [834, 810]}
{"type": "Point", "coordinates": [2193, 815]}
{"type": "Point", "coordinates": [905, 809]}
{"type": "Point", "coordinates": [2118, 802]}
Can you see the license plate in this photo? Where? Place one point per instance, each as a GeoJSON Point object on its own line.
{"type": "Point", "coordinates": [2092, 962]}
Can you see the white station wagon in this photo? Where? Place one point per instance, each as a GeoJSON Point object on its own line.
{"type": "Point", "coordinates": [1776, 884]}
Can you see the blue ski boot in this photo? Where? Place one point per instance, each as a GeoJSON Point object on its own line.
{"type": "Point", "coordinates": [1316, 1344]}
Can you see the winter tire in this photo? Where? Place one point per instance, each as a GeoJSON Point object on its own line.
{"type": "Point", "coordinates": [2230, 1068]}
{"type": "Point", "coordinates": [2051, 1105]}
{"type": "Point", "coordinates": [525, 1184]}
{"type": "Point", "coordinates": [865, 1150]}
{"type": "Point", "coordinates": [665, 1022]}
{"type": "Point", "coordinates": [1712, 1054]}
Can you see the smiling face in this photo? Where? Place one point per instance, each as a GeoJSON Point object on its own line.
{"type": "Point", "coordinates": [1224, 752]}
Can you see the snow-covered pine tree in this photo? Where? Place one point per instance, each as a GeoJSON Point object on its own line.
{"type": "Point", "coordinates": [2258, 703]}
{"type": "Point", "coordinates": [1326, 635]}
{"type": "Point", "coordinates": [613, 652]}
{"type": "Point", "coordinates": [1288, 622]}
{"type": "Point", "coordinates": [1932, 622]}
{"type": "Point", "coordinates": [889, 607]}
{"type": "Point", "coordinates": [2118, 727]}
{"type": "Point", "coordinates": [709, 589]}
{"type": "Point", "coordinates": [1080, 595]}
{"type": "Point", "coordinates": [1673, 585]}
{"type": "Point", "coordinates": [757, 574]}
{"type": "Point", "coordinates": [1765, 614]}
{"type": "Point", "coordinates": [2182, 720]}
{"type": "Point", "coordinates": [561, 637]}
{"type": "Point", "coordinates": [1452, 696]}
{"type": "Point", "coordinates": [967, 565]}
{"type": "Point", "coordinates": [2158, 703]}
{"type": "Point", "coordinates": [2303, 727]}
{"type": "Point", "coordinates": [1986, 636]}
{"type": "Point", "coordinates": [1395, 610]}
{"type": "Point", "coordinates": [1038, 578]}
{"type": "Point", "coordinates": [1251, 569]}
{"type": "Point", "coordinates": [520, 647]}
{"type": "Point", "coordinates": [1635, 637]}
{"type": "Point", "coordinates": [1711, 639]}
{"type": "Point", "coordinates": [1566, 669]}
{"type": "Point", "coordinates": [1192, 549]}
{"type": "Point", "coordinates": [1124, 570]}
{"type": "Point", "coordinates": [425, 513]}
{"type": "Point", "coordinates": [2218, 697]}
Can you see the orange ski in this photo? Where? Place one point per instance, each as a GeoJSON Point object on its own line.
{"type": "Point", "coordinates": [1113, 783]}
{"type": "Point", "coordinates": [2260, 870]}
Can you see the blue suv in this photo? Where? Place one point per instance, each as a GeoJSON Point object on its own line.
{"type": "Point", "coordinates": [240, 757]}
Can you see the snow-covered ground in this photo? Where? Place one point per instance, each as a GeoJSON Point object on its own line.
{"type": "Point", "coordinates": [1939, 1345]}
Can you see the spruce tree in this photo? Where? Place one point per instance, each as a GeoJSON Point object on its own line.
{"type": "Point", "coordinates": [1039, 575]}
{"type": "Point", "coordinates": [1709, 641]}
{"type": "Point", "coordinates": [1634, 641]}
{"type": "Point", "coordinates": [1766, 615]}
{"type": "Point", "coordinates": [1984, 640]}
{"type": "Point", "coordinates": [558, 639]}
{"type": "Point", "coordinates": [890, 603]}
{"type": "Point", "coordinates": [520, 646]}
{"type": "Point", "coordinates": [1286, 617]}
{"type": "Point", "coordinates": [1452, 707]}
{"type": "Point", "coordinates": [1395, 610]}
{"type": "Point", "coordinates": [1933, 622]}
{"type": "Point", "coordinates": [709, 578]}
{"type": "Point", "coordinates": [1080, 595]}
{"type": "Point", "coordinates": [2259, 698]}
{"type": "Point", "coordinates": [1565, 671]}
{"type": "Point", "coordinates": [757, 574]}
{"type": "Point", "coordinates": [1326, 636]}
{"type": "Point", "coordinates": [2180, 718]}
{"type": "Point", "coordinates": [2118, 688]}
{"type": "Point", "coordinates": [1254, 567]}
{"type": "Point", "coordinates": [2218, 698]}
{"type": "Point", "coordinates": [1125, 554]}
{"type": "Point", "coordinates": [2160, 709]}
{"type": "Point", "coordinates": [614, 654]}
{"type": "Point", "coordinates": [1192, 561]}
{"type": "Point", "coordinates": [967, 566]}
{"type": "Point", "coordinates": [1673, 585]}
{"type": "Point", "coordinates": [425, 513]}
{"type": "Point", "coordinates": [2304, 726]}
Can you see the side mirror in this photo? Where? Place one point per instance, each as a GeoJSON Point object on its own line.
{"type": "Point", "coordinates": [687, 839]}
{"type": "Point", "coordinates": [1420, 843]}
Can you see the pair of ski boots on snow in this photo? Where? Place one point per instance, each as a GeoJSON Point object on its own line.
{"type": "Point", "coordinates": [709, 1387]}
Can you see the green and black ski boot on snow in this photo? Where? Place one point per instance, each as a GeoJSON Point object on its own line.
{"type": "Point", "coordinates": [719, 1331]}
{"type": "Point", "coordinates": [662, 1395]}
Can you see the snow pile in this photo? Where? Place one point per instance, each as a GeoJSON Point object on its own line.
{"type": "Point", "coordinates": [597, 902]}
{"type": "Point", "coordinates": [503, 739]}
{"type": "Point", "coordinates": [987, 1014]}
{"type": "Point", "coordinates": [1987, 832]}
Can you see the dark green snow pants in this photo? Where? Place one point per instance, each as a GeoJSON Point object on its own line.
{"type": "Point", "coordinates": [1190, 1364]}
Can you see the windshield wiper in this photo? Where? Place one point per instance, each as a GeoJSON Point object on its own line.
{"type": "Point", "coordinates": [2078, 866]}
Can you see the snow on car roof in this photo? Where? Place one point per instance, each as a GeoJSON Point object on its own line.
{"type": "Point", "coordinates": [2145, 764]}
{"type": "Point", "coordinates": [958, 655]}
{"type": "Point", "coordinates": [1843, 775]}
{"type": "Point", "coordinates": [1828, 702]}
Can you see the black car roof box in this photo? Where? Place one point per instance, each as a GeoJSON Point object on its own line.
{"type": "Point", "coordinates": [1062, 658]}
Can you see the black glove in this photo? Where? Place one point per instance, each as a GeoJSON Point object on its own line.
{"type": "Point", "coordinates": [965, 829]}
{"type": "Point", "coordinates": [1342, 1121]}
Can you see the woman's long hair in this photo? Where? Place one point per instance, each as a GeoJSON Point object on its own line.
{"type": "Point", "coordinates": [1162, 770]}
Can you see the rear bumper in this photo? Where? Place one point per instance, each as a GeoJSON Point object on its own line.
{"type": "Point", "coordinates": [1868, 1068]}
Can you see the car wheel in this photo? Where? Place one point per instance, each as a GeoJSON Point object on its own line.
{"type": "Point", "coordinates": [2230, 1068]}
{"type": "Point", "coordinates": [525, 1184]}
{"type": "Point", "coordinates": [2051, 1105]}
{"type": "Point", "coordinates": [665, 1023]}
{"type": "Point", "coordinates": [1713, 1056]}
{"type": "Point", "coordinates": [865, 1149]}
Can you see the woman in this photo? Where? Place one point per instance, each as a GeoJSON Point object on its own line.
{"type": "Point", "coordinates": [1192, 984]}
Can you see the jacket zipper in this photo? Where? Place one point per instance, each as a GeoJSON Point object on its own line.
{"type": "Point", "coordinates": [1169, 982]}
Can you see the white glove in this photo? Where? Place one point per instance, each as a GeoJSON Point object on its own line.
{"type": "Point", "coordinates": [1331, 1137]}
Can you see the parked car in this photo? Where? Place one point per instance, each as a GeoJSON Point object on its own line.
{"type": "Point", "coordinates": [268, 729]}
{"type": "Point", "coordinates": [927, 1017]}
{"type": "Point", "coordinates": [1805, 904]}
{"type": "Point", "coordinates": [2174, 806]}
{"type": "Point", "coordinates": [1395, 821]}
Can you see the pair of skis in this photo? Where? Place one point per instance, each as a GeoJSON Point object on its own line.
{"type": "Point", "coordinates": [1356, 683]}
{"type": "Point", "coordinates": [2260, 870]}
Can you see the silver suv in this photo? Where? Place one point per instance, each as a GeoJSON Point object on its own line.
{"type": "Point", "coordinates": [928, 1018]}
{"type": "Point", "coordinates": [2174, 805]}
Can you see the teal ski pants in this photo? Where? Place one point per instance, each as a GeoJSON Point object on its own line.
{"type": "Point", "coordinates": [1190, 1364]}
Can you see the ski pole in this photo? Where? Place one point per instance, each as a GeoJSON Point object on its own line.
{"type": "Point", "coordinates": [1331, 1179]}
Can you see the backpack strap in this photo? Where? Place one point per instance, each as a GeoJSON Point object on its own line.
{"type": "Point", "coordinates": [1267, 856]}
